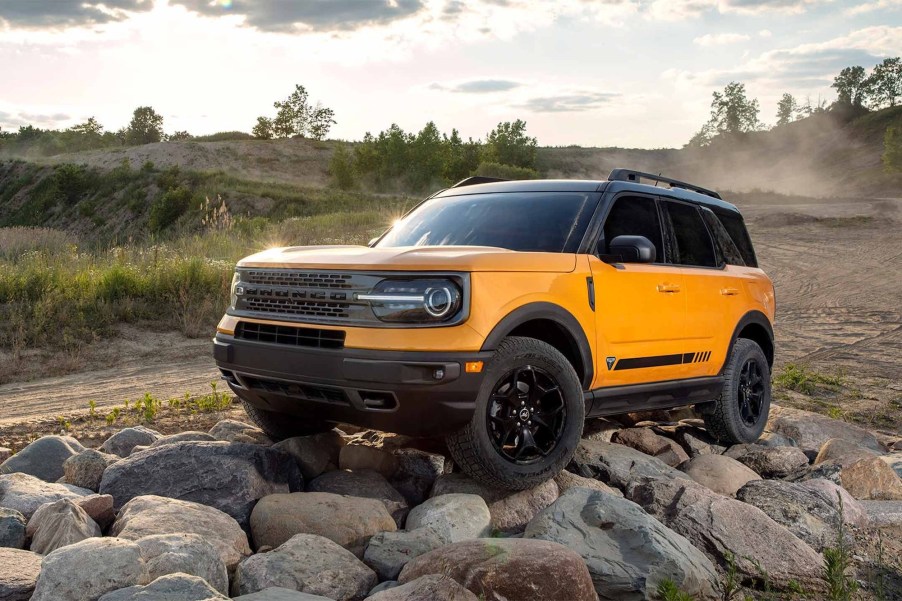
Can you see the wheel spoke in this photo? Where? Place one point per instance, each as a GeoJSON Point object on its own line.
{"type": "Point", "coordinates": [527, 442]}
{"type": "Point", "coordinates": [506, 427]}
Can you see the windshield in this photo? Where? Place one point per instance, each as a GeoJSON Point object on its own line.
{"type": "Point", "coordinates": [522, 221]}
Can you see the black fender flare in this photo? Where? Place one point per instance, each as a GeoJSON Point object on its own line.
{"type": "Point", "coordinates": [550, 312]}
{"type": "Point", "coordinates": [752, 317]}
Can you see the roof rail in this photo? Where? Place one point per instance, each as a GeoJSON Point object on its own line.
{"type": "Point", "coordinates": [628, 175]}
{"type": "Point", "coordinates": [477, 179]}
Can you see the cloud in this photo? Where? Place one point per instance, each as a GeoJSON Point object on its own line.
{"type": "Point", "coordinates": [874, 6]}
{"type": "Point", "coordinates": [12, 119]}
{"type": "Point", "coordinates": [478, 86]}
{"type": "Point", "coordinates": [568, 103]}
{"type": "Point", "coordinates": [50, 14]}
{"type": "Point", "coordinates": [720, 39]}
{"type": "Point", "coordinates": [765, 33]}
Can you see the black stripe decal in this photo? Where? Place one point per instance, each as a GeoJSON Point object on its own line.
{"type": "Point", "coordinates": [688, 357]}
{"type": "Point", "coordinates": [657, 361]}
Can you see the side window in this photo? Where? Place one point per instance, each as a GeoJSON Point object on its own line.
{"type": "Point", "coordinates": [736, 228]}
{"type": "Point", "coordinates": [634, 216]}
{"type": "Point", "coordinates": [692, 239]}
{"type": "Point", "coordinates": [728, 251]}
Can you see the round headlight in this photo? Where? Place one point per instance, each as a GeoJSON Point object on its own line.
{"type": "Point", "coordinates": [438, 301]}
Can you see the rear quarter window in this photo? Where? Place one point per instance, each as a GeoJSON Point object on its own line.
{"type": "Point", "coordinates": [726, 248]}
{"type": "Point", "coordinates": [734, 224]}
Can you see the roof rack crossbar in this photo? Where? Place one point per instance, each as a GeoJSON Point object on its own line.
{"type": "Point", "coordinates": [628, 175]}
{"type": "Point", "coordinates": [477, 179]}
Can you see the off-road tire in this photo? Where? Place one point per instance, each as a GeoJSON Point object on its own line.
{"type": "Point", "coordinates": [723, 418]}
{"type": "Point", "coordinates": [279, 426]}
{"type": "Point", "coordinates": [472, 447]}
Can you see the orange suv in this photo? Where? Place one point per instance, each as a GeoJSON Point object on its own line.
{"type": "Point", "coordinates": [501, 314]}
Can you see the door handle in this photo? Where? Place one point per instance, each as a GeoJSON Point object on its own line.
{"type": "Point", "coordinates": [668, 288]}
{"type": "Point", "coordinates": [729, 291]}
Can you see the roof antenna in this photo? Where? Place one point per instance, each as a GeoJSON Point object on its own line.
{"type": "Point", "coordinates": [657, 180]}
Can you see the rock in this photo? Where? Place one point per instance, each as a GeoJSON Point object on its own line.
{"type": "Point", "coordinates": [363, 483]}
{"type": "Point", "coordinates": [618, 465]}
{"type": "Point", "coordinates": [803, 510]}
{"type": "Point", "coordinates": [348, 521]}
{"type": "Point", "coordinates": [600, 430]}
{"type": "Point", "coordinates": [769, 462]}
{"type": "Point", "coordinates": [646, 441]}
{"type": "Point", "coordinates": [383, 586]}
{"type": "Point", "coordinates": [185, 554]}
{"type": "Point", "coordinates": [720, 473]}
{"type": "Point", "coordinates": [360, 457]}
{"type": "Point", "coordinates": [774, 439]}
{"type": "Point", "coordinates": [5, 453]}
{"type": "Point", "coordinates": [628, 552]}
{"type": "Point", "coordinates": [86, 468]}
{"type": "Point", "coordinates": [26, 493]}
{"type": "Point", "coordinates": [149, 515]}
{"type": "Point", "coordinates": [314, 454]}
{"type": "Point", "coordinates": [59, 524]}
{"type": "Point", "coordinates": [310, 564]}
{"type": "Point", "coordinates": [722, 527]}
{"type": "Point", "coordinates": [231, 430]}
{"type": "Point", "coordinates": [12, 529]}
{"type": "Point", "coordinates": [99, 508]}
{"type": "Point", "coordinates": [453, 517]}
{"type": "Point", "coordinates": [697, 441]}
{"type": "Point", "coordinates": [566, 480]}
{"type": "Point", "coordinates": [417, 471]}
{"type": "Point", "coordinates": [43, 458]}
{"type": "Point", "coordinates": [432, 587]}
{"type": "Point", "coordinates": [894, 460]}
{"type": "Point", "coordinates": [18, 573]}
{"type": "Point", "coordinates": [881, 514]}
{"type": "Point", "coordinates": [853, 511]}
{"type": "Point", "coordinates": [229, 477]}
{"type": "Point", "coordinates": [841, 452]}
{"type": "Point", "coordinates": [124, 441]}
{"type": "Point", "coordinates": [508, 568]}
{"type": "Point", "coordinates": [388, 552]}
{"type": "Point", "coordinates": [190, 436]}
{"type": "Point", "coordinates": [811, 430]}
{"type": "Point", "coordinates": [277, 593]}
{"type": "Point", "coordinates": [171, 587]}
{"type": "Point", "coordinates": [89, 569]}
{"type": "Point", "coordinates": [872, 479]}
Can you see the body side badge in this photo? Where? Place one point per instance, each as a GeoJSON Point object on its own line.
{"type": "Point", "coordinates": [611, 361]}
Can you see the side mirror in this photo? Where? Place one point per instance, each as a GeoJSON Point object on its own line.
{"type": "Point", "coordinates": [632, 249]}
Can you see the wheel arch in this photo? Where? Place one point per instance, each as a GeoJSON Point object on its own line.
{"type": "Point", "coordinates": [754, 326]}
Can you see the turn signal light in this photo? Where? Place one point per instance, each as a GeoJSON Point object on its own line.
{"type": "Point", "coordinates": [473, 367]}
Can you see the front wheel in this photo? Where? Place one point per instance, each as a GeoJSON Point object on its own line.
{"type": "Point", "coordinates": [528, 419]}
{"type": "Point", "coordinates": [279, 426]}
{"type": "Point", "coordinates": [741, 412]}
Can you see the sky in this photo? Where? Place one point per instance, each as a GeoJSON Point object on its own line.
{"type": "Point", "coordinates": [629, 73]}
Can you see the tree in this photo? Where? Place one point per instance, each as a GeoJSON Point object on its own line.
{"type": "Point", "coordinates": [732, 112]}
{"type": "Point", "coordinates": [892, 150]}
{"type": "Point", "coordinates": [178, 136]}
{"type": "Point", "coordinates": [341, 167]}
{"type": "Point", "coordinates": [264, 128]}
{"type": "Point", "coordinates": [146, 127]}
{"type": "Point", "coordinates": [460, 158]}
{"type": "Point", "coordinates": [90, 128]}
{"type": "Point", "coordinates": [884, 85]}
{"type": "Point", "coordinates": [293, 114]}
{"type": "Point", "coordinates": [508, 144]}
{"type": "Point", "coordinates": [320, 122]}
{"type": "Point", "coordinates": [851, 86]}
{"type": "Point", "coordinates": [787, 108]}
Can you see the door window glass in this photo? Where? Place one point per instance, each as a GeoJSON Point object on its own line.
{"type": "Point", "coordinates": [634, 216]}
{"type": "Point", "coordinates": [694, 246]}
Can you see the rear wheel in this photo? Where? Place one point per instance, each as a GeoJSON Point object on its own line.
{"type": "Point", "coordinates": [741, 412]}
{"type": "Point", "coordinates": [279, 426]}
{"type": "Point", "coordinates": [528, 419]}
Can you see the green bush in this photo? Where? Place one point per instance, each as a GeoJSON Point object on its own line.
{"type": "Point", "coordinates": [166, 209]}
{"type": "Point", "coordinates": [505, 171]}
{"type": "Point", "coordinates": [341, 168]}
{"type": "Point", "coordinates": [892, 149]}
{"type": "Point", "coordinates": [72, 181]}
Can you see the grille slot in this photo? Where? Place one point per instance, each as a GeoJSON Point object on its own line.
{"type": "Point", "coordinates": [286, 306]}
{"type": "Point", "coordinates": [290, 335]}
{"type": "Point", "coordinates": [293, 278]}
{"type": "Point", "coordinates": [309, 392]}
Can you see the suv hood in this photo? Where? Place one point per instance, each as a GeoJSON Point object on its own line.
{"type": "Point", "coordinates": [410, 258]}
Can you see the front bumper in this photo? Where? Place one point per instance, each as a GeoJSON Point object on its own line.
{"type": "Point", "coordinates": [393, 391]}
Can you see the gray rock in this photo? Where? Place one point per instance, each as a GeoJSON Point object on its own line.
{"type": "Point", "coordinates": [566, 480]}
{"type": "Point", "coordinates": [865, 478]}
{"type": "Point", "coordinates": [99, 508]}
{"type": "Point", "coordinates": [454, 517]}
{"type": "Point", "coordinates": [882, 514]}
{"type": "Point", "coordinates": [628, 552]}
{"type": "Point", "coordinates": [149, 515]}
{"type": "Point", "coordinates": [89, 569]}
{"type": "Point", "coordinates": [720, 473]}
{"type": "Point", "coordinates": [774, 439]}
{"type": "Point", "coordinates": [310, 564]}
{"type": "Point", "coordinates": [853, 511]}
{"type": "Point", "coordinates": [314, 454]}
{"type": "Point", "coordinates": [86, 468]}
{"type": "Point", "coordinates": [277, 593]}
{"type": "Point", "coordinates": [698, 442]}
{"type": "Point", "coordinates": [190, 436]}
{"type": "Point", "coordinates": [59, 524]}
{"type": "Point", "coordinates": [12, 529]}
{"type": "Point", "coordinates": [363, 483]}
{"type": "Point", "coordinates": [812, 430]}
{"type": "Point", "coordinates": [842, 452]}
{"type": "Point", "coordinates": [26, 493]}
{"type": "Point", "coordinates": [229, 477]}
{"type": "Point", "coordinates": [388, 552]}
{"type": "Point", "coordinates": [184, 554]}
{"type": "Point", "coordinates": [894, 460]}
{"type": "Point", "coordinates": [383, 586]}
{"type": "Point", "coordinates": [600, 429]}
{"type": "Point", "coordinates": [231, 430]}
{"type": "Point", "coordinates": [43, 458]}
{"type": "Point", "coordinates": [769, 462]}
{"type": "Point", "coordinates": [432, 587]}
{"type": "Point", "coordinates": [122, 442]}
{"type": "Point", "coordinates": [348, 521]}
{"type": "Point", "coordinates": [18, 573]}
{"type": "Point", "coordinates": [361, 457]}
{"type": "Point", "coordinates": [417, 471]}
{"type": "Point", "coordinates": [171, 587]}
{"type": "Point", "coordinates": [646, 441]}
{"type": "Point", "coordinates": [618, 465]}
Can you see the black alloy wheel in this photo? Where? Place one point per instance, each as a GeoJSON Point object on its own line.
{"type": "Point", "coordinates": [751, 392]}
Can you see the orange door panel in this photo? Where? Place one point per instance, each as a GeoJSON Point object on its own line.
{"type": "Point", "coordinates": [709, 322]}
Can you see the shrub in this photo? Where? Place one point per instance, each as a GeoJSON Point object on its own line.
{"type": "Point", "coordinates": [505, 171]}
{"type": "Point", "coordinates": [341, 168]}
{"type": "Point", "coordinates": [169, 207]}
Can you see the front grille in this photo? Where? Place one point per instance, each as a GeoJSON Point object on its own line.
{"type": "Point", "coordinates": [308, 392]}
{"type": "Point", "coordinates": [290, 335]}
{"type": "Point", "coordinates": [287, 306]}
{"type": "Point", "coordinates": [294, 278]}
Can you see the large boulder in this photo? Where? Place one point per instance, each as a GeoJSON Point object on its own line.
{"type": "Point", "coordinates": [229, 477]}
{"type": "Point", "coordinates": [230, 430]}
{"type": "Point", "coordinates": [618, 465]}
{"type": "Point", "coordinates": [99, 508]}
{"type": "Point", "coordinates": [89, 569]}
{"type": "Point", "coordinates": [722, 528]}
{"type": "Point", "coordinates": [58, 524]}
{"type": "Point", "coordinates": [189, 436]}
{"type": "Point", "coordinates": [720, 473]}
{"type": "Point", "coordinates": [453, 517]}
{"type": "Point", "coordinates": [149, 515]}
{"type": "Point", "coordinates": [86, 468]}
{"type": "Point", "coordinates": [416, 473]}
{"type": "Point", "coordinates": [43, 458]}
{"type": "Point", "coordinates": [646, 441]}
{"type": "Point", "coordinates": [277, 593]}
{"type": "Point", "coordinates": [894, 460]}
{"type": "Point", "coordinates": [628, 552]}
{"type": "Point", "coordinates": [883, 514]}
{"type": "Point", "coordinates": [12, 529]}
{"type": "Point", "coordinates": [363, 483]}
{"type": "Point", "coordinates": [842, 452]}
{"type": "Point", "coordinates": [18, 573]}
{"type": "Point", "coordinates": [363, 457]}
{"type": "Point", "coordinates": [811, 430]}
{"type": "Point", "coordinates": [566, 480]}
{"type": "Point", "coordinates": [122, 442]}
{"type": "Point", "coordinates": [310, 564]}
{"type": "Point", "coordinates": [432, 587]}
{"type": "Point", "coordinates": [769, 462]}
{"type": "Point", "coordinates": [26, 493]}
{"type": "Point", "coordinates": [805, 510]}
{"type": "Point", "coordinates": [388, 552]}
{"type": "Point", "coordinates": [348, 521]}
{"type": "Point", "coordinates": [697, 441]}
{"type": "Point", "coordinates": [186, 554]}
{"type": "Point", "coordinates": [865, 476]}
{"type": "Point", "coordinates": [508, 568]}
{"type": "Point", "coordinates": [314, 454]}
{"type": "Point", "coordinates": [171, 587]}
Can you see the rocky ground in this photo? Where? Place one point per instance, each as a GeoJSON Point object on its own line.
{"type": "Point", "coordinates": [650, 504]}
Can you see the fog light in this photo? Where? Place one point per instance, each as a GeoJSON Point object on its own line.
{"type": "Point", "coordinates": [473, 367]}
{"type": "Point", "coordinates": [438, 374]}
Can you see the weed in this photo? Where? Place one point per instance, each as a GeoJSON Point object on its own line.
{"type": "Point", "coordinates": [729, 586]}
{"type": "Point", "coordinates": [668, 591]}
{"type": "Point", "coordinates": [802, 379]}
{"type": "Point", "coordinates": [92, 408]}
{"type": "Point", "coordinates": [837, 562]}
